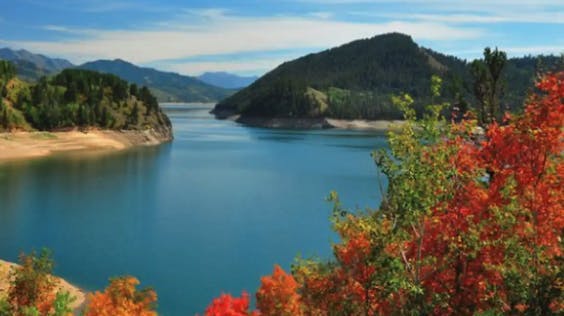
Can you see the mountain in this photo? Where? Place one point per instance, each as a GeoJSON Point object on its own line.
{"type": "Point", "coordinates": [227, 80]}
{"type": "Point", "coordinates": [357, 80]}
{"type": "Point", "coordinates": [32, 66]}
{"type": "Point", "coordinates": [167, 86]}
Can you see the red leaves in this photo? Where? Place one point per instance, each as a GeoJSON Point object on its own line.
{"type": "Point", "coordinates": [491, 240]}
{"type": "Point", "coordinates": [226, 305]}
{"type": "Point", "coordinates": [277, 294]}
{"type": "Point", "coordinates": [519, 207]}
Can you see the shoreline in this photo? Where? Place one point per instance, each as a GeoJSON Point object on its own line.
{"type": "Point", "coordinates": [316, 123]}
{"type": "Point", "coordinates": [29, 145]}
{"type": "Point", "coordinates": [61, 284]}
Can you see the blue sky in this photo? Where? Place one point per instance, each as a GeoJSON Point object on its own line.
{"type": "Point", "coordinates": [252, 37]}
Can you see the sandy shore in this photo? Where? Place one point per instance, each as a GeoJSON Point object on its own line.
{"type": "Point", "coordinates": [21, 145]}
{"type": "Point", "coordinates": [379, 125]}
{"type": "Point", "coordinates": [316, 123]}
{"type": "Point", "coordinates": [61, 285]}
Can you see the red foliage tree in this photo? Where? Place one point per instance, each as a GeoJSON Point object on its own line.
{"type": "Point", "coordinates": [277, 295]}
{"type": "Point", "coordinates": [227, 305]}
{"type": "Point", "coordinates": [468, 227]}
{"type": "Point", "coordinates": [121, 298]}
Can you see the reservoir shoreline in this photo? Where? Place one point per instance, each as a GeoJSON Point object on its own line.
{"type": "Point", "coordinates": [316, 123]}
{"type": "Point", "coordinates": [27, 145]}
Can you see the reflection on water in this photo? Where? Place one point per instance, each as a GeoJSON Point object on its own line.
{"type": "Point", "coordinates": [210, 212]}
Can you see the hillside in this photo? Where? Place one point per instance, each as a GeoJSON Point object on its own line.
{"type": "Point", "coordinates": [77, 99]}
{"type": "Point", "coordinates": [166, 86]}
{"type": "Point", "coordinates": [356, 81]}
{"type": "Point", "coordinates": [32, 66]}
{"type": "Point", "coordinates": [226, 80]}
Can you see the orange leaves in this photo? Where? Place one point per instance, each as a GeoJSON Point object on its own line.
{"type": "Point", "coordinates": [226, 305]}
{"type": "Point", "coordinates": [32, 285]}
{"type": "Point", "coordinates": [277, 295]}
{"type": "Point", "coordinates": [121, 298]}
{"type": "Point", "coordinates": [472, 224]}
{"type": "Point", "coordinates": [508, 222]}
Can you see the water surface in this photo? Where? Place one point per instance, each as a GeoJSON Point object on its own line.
{"type": "Point", "coordinates": [210, 212]}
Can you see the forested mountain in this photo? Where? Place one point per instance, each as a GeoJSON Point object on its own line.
{"type": "Point", "coordinates": [356, 80]}
{"type": "Point", "coordinates": [77, 99]}
{"type": "Point", "coordinates": [33, 66]}
{"type": "Point", "coordinates": [226, 80]}
{"type": "Point", "coordinates": [166, 86]}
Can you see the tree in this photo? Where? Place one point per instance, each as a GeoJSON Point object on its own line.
{"type": "Point", "coordinates": [277, 295]}
{"type": "Point", "coordinates": [467, 226]}
{"type": "Point", "coordinates": [32, 290]}
{"type": "Point", "coordinates": [133, 90]}
{"type": "Point", "coordinates": [133, 118]}
{"type": "Point", "coordinates": [121, 298]}
{"type": "Point", "coordinates": [226, 305]}
{"type": "Point", "coordinates": [4, 117]}
{"type": "Point", "coordinates": [488, 85]}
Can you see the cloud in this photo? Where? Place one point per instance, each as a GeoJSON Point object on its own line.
{"type": "Point", "coordinates": [532, 17]}
{"type": "Point", "coordinates": [210, 32]}
{"type": "Point", "coordinates": [242, 67]}
{"type": "Point", "coordinates": [98, 6]}
{"type": "Point", "coordinates": [322, 14]}
{"type": "Point", "coordinates": [448, 3]}
{"type": "Point", "coordinates": [547, 11]}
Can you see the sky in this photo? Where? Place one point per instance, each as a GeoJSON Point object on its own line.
{"type": "Point", "coordinates": [254, 36]}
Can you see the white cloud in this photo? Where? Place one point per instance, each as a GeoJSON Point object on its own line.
{"type": "Point", "coordinates": [255, 66]}
{"type": "Point", "coordinates": [98, 6]}
{"type": "Point", "coordinates": [56, 28]}
{"type": "Point", "coordinates": [547, 11]}
{"type": "Point", "coordinates": [533, 17]}
{"type": "Point", "coordinates": [322, 14]}
{"type": "Point", "coordinates": [218, 33]}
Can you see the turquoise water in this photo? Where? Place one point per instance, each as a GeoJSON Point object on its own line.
{"type": "Point", "coordinates": [208, 213]}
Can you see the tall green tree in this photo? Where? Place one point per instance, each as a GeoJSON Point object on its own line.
{"type": "Point", "coordinates": [488, 85]}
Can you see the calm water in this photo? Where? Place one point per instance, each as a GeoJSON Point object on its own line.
{"type": "Point", "coordinates": [210, 212]}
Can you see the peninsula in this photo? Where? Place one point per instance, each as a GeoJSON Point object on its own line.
{"type": "Point", "coordinates": [76, 110]}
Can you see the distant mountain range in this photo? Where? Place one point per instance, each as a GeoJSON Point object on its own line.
{"type": "Point", "coordinates": [356, 81]}
{"type": "Point", "coordinates": [227, 80]}
{"type": "Point", "coordinates": [166, 86]}
{"type": "Point", "coordinates": [33, 66]}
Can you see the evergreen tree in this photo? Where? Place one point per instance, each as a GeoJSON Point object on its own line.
{"type": "Point", "coordinates": [487, 84]}
{"type": "Point", "coordinates": [133, 90]}
{"type": "Point", "coordinates": [4, 119]}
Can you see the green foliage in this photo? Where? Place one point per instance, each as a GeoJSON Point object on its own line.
{"type": "Point", "coordinates": [62, 304]}
{"type": "Point", "coordinates": [447, 240]}
{"type": "Point", "coordinates": [5, 308]}
{"type": "Point", "coordinates": [80, 98]}
{"type": "Point", "coordinates": [359, 78]}
{"type": "Point", "coordinates": [29, 282]}
{"type": "Point", "coordinates": [32, 289]}
{"type": "Point", "coordinates": [7, 72]}
{"type": "Point", "coordinates": [488, 85]}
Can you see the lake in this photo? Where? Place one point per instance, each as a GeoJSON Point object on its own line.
{"type": "Point", "coordinates": [211, 212]}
